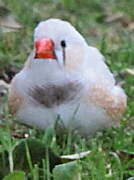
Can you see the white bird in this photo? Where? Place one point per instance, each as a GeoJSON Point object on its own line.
{"type": "Point", "coordinates": [64, 77]}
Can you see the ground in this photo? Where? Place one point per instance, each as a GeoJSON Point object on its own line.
{"type": "Point", "coordinates": [107, 25]}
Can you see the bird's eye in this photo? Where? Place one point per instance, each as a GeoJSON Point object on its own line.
{"type": "Point", "coordinates": [63, 43]}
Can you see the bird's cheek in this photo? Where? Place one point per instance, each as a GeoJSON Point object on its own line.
{"type": "Point", "coordinates": [73, 58]}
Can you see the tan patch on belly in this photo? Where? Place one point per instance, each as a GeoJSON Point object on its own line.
{"type": "Point", "coordinates": [114, 105]}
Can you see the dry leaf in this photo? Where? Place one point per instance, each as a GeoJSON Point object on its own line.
{"type": "Point", "coordinates": [76, 156]}
{"type": "Point", "coordinates": [7, 21]}
{"type": "Point", "coordinates": [120, 17]}
{"type": "Point", "coordinates": [131, 26]}
{"type": "Point", "coordinates": [114, 17]}
{"type": "Point", "coordinates": [129, 71]}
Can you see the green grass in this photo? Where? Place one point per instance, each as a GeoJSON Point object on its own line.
{"type": "Point", "coordinates": [112, 151]}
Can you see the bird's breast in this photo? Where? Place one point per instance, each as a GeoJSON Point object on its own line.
{"type": "Point", "coordinates": [51, 95]}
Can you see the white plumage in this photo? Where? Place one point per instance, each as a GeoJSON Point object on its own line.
{"type": "Point", "coordinates": [81, 90]}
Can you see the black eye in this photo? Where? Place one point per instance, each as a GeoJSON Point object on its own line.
{"type": "Point", "coordinates": [63, 43]}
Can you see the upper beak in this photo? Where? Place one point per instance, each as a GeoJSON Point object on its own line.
{"type": "Point", "coordinates": [44, 49]}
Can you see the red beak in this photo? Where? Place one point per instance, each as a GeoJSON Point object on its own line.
{"type": "Point", "coordinates": [44, 49]}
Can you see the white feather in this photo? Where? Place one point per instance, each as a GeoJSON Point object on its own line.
{"type": "Point", "coordinates": [93, 72]}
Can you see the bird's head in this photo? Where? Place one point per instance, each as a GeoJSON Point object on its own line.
{"type": "Point", "coordinates": [58, 41]}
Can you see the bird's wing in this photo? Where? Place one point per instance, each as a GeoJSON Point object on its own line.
{"type": "Point", "coordinates": [98, 70]}
{"type": "Point", "coordinates": [102, 89]}
{"type": "Point", "coordinates": [15, 99]}
{"type": "Point", "coordinates": [112, 101]}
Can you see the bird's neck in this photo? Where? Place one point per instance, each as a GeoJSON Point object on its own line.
{"type": "Point", "coordinates": [52, 73]}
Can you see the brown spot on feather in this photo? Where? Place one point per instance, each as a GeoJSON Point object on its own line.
{"type": "Point", "coordinates": [114, 105]}
{"type": "Point", "coordinates": [14, 99]}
